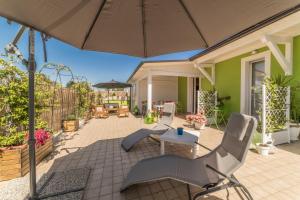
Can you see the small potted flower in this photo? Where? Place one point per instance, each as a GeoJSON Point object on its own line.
{"type": "Point", "coordinates": [190, 119]}
{"type": "Point", "coordinates": [264, 149]}
{"type": "Point", "coordinates": [200, 121]}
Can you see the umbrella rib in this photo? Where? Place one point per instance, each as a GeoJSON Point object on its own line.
{"type": "Point", "coordinates": [93, 23]}
{"type": "Point", "coordinates": [144, 30]}
{"type": "Point", "coordinates": [193, 22]}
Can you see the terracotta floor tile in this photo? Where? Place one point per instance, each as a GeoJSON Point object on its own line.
{"type": "Point", "coordinates": [97, 145]}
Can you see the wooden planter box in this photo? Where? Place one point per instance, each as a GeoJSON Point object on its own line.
{"type": "Point", "coordinates": [71, 125]}
{"type": "Point", "coordinates": [14, 162]}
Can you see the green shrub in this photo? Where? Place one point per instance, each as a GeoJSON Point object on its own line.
{"type": "Point", "coordinates": [12, 140]}
{"type": "Point", "coordinates": [82, 90]}
{"type": "Point", "coordinates": [14, 98]}
{"type": "Point", "coordinates": [136, 110]}
{"type": "Point", "coordinates": [70, 117]}
{"type": "Point", "coordinates": [149, 119]}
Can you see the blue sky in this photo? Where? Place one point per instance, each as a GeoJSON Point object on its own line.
{"type": "Point", "coordinates": [95, 66]}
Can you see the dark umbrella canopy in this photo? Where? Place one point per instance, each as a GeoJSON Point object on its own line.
{"type": "Point", "coordinates": [112, 85]}
{"type": "Point", "coordinates": [135, 27]}
{"type": "Point", "coordinates": [142, 27]}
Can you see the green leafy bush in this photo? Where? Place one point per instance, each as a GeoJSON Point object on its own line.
{"type": "Point", "coordinates": [136, 110]}
{"type": "Point", "coordinates": [12, 140]}
{"type": "Point", "coordinates": [83, 90]}
{"type": "Point", "coordinates": [70, 118]}
{"type": "Point", "coordinates": [276, 92]}
{"type": "Point", "coordinates": [14, 101]}
{"type": "Point", "coordinates": [149, 118]}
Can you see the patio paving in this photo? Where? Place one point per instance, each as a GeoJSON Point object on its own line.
{"type": "Point", "coordinates": [97, 145]}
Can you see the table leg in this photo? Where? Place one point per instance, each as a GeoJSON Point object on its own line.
{"type": "Point", "coordinates": [195, 148]}
{"type": "Point", "coordinates": [162, 147]}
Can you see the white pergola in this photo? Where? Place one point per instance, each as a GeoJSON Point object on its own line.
{"type": "Point", "coordinates": [165, 68]}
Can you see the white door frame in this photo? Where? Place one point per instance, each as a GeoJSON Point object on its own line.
{"type": "Point", "coordinates": [190, 96]}
{"type": "Point", "coordinates": [245, 100]}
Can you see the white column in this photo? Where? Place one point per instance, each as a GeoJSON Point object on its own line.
{"type": "Point", "coordinates": [137, 94]}
{"type": "Point", "coordinates": [149, 92]}
{"type": "Point", "coordinates": [189, 94]}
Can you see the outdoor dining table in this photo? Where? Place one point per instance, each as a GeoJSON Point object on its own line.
{"type": "Point", "coordinates": [188, 138]}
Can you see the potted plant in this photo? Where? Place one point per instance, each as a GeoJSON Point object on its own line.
{"type": "Point", "coordinates": [14, 154]}
{"type": "Point", "coordinates": [70, 123]}
{"type": "Point", "coordinates": [149, 118]}
{"type": "Point", "coordinates": [200, 121]}
{"type": "Point", "coordinates": [136, 110]}
{"type": "Point", "coordinates": [197, 121]}
{"type": "Point", "coordinates": [190, 119]}
{"type": "Point", "coordinates": [276, 129]}
{"type": "Point", "coordinates": [263, 149]}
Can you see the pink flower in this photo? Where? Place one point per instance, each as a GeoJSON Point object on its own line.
{"type": "Point", "coordinates": [199, 117]}
{"type": "Point", "coordinates": [40, 136]}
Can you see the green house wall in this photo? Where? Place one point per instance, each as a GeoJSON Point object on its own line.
{"type": "Point", "coordinates": [228, 76]}
{"type": "Point", "coordinates": [182, 92]}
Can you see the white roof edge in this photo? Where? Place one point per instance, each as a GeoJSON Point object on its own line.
{"type": "Point", "coordinates": [249, 42]}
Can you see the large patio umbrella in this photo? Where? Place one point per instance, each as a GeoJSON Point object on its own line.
{"type": "Point", "coordinates": [112, 85]}
{"type": "Point", "coordinates": [142, 27]}
{"type": "Point", "coordinates": [137, 27]}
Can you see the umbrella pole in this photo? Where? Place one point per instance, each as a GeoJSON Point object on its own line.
{"type": "Point", "coordinates": [31, 140]}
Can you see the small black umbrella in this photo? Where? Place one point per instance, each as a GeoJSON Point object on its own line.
{"type": "Point", "coordinates": [112, 85]}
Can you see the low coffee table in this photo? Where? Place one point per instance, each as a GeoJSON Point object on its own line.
{"type": "Point", "coordinates": [188, 138]}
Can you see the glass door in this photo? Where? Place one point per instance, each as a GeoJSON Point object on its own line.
{"type": "Point", "coordinates": [258, 74]}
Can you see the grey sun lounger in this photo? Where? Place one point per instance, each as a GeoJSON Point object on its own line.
{"type": "Point", "coordinates": [163, 125]}
{"type": "Point", "coordinates": [207, 172]}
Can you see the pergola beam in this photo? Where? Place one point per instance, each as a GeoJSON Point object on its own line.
{"type": "Point", "coordinates": [211, 78]}
{"type": "Point", "coordinates": [285, 61]}
{"type": "Point", "coordinates": [173, 73]}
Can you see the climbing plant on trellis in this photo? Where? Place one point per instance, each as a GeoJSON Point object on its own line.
{"type": "Point", "coordinates": [275, 110]}
{"type": "Point", "coordinates": [207, 102]}
{"type": "Point", "coordinates": [62, 99]}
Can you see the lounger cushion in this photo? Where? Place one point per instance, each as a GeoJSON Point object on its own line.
{"type": "Point", "coordinates": [186, 170]}
{"type": "Point", "coordinates": [237, 126]}
{"type": "Point", "coordinates": [129, 141]}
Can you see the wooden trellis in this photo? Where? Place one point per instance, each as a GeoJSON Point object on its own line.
{"type": "Point", "coordinates": [275, 113]}
{"type": "Point", "coordinates": [207, 102]}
